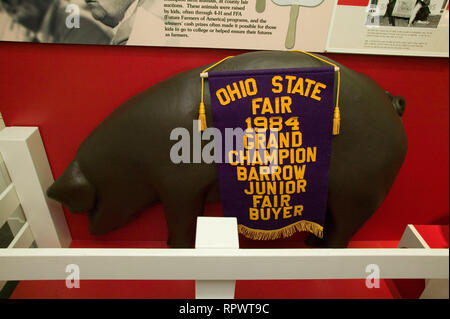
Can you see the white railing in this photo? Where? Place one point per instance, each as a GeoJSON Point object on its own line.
{"type": "Point", "coordinates": [215, 263]}
{"type": "Point", "coordinates": [26, 161]}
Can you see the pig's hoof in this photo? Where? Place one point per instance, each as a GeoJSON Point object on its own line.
{"type": "Point", "coordinates": [179, 243]}
{"type": "Point", "coordinates": [314, 241]}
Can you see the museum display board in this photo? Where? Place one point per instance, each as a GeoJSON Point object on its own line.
{"type": "Point", "coordinates": [393, 27]}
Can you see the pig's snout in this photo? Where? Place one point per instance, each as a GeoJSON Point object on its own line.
{"type": "Point", "coordinates": [73, 190]}
{"type": "Point", "coordinates": [398, 102]}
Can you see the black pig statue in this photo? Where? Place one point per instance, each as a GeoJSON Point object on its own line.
{"type": "Point", "coordinates": [124, 165]}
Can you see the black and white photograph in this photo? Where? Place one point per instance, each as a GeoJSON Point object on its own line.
{"type": "Point", "coordinates": [405, 13]}
{"type": "Point", "coordinates": [173, 23]}
{"type": "Point", "coordinates": [68, 21]}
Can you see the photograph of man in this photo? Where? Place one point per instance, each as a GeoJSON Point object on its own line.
{"type": "Point", "coordinates": [47, 19]}
{"type": "Point", "coordinates": [117, 14]}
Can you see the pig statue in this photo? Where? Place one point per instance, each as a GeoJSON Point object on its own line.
{"type": "Point", "coordinates": [124, 165]}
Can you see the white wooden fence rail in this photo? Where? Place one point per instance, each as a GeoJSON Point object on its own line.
{"type": "Point", "coordinates": [222, 264]}
{"type": "Point", "coordinates": [24, 155]}
{"type": "Point", "coordinates": [215, 263]}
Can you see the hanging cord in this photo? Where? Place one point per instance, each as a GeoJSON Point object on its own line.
{"type": "Point", "coordinates": [202, 110]}
{"type": "Point", "coordinates": [337, 112]}
{"type": "Point", "coordinates": [336, 117]}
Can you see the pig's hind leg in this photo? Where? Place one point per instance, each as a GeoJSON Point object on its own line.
{"type": "Point", "coordinates": [183, 198]}
{"type": "Point", "coordinates": [181, 216]}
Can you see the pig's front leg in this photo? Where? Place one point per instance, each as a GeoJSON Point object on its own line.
{"type": "Point", "coordinates": [181, 215]}
{"type": "Point", "coordinates": [183, 192]}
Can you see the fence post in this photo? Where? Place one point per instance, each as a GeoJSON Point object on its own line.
{"type": "Point", "coordinates": [28, 167]}
{"type": "Point", "coordinates": [434, 288]}
{"type": "Point", "coordinates": [218, 233]}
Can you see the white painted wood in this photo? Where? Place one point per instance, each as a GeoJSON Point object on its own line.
{"type": "Point", "coordinates": [9, 202]}
{"type": "Point", "coordinates": [436, 289]}
{"type": "Point", "coordinates": [412, 239]}
{"type": "Point", "coordinates": [16, 221]}
{"type": "Point", "coordinates": [222, 264]}
{"type": "Point", "coordinates": [23, 239]}
{"type": "Point", "coordinates": [4, 176]}
{"type": "Point", "coordinates": [215, 289]}
{"type": "Point", "coordinates": [218, 233]}
{"type": "Point", "coordinates": [24, 155]}
{"type": "Point", "coordinates": [2, 123]}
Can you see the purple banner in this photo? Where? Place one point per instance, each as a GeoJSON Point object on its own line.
{"type": "Point", "coordinates": [274, 176]}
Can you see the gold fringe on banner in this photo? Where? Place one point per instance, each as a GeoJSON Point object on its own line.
{"type": "Point", "coordinates": [302, 225]}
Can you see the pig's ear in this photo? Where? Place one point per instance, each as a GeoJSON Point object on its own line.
{"type": "Point", "coordinates": [73, 190]}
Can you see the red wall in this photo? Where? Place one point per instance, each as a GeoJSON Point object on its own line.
{"type": "Point", "coordinates": [66, 90]}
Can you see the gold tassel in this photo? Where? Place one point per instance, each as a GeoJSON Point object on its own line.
{"type": "Point", "coordinates": [201, 110]}
{"type": "Point", "coordinates": [202, 117]}
{"type": "Point", "coordinates": [337, 115]}
{"type": "Point", "coordinates": [336, 121]}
